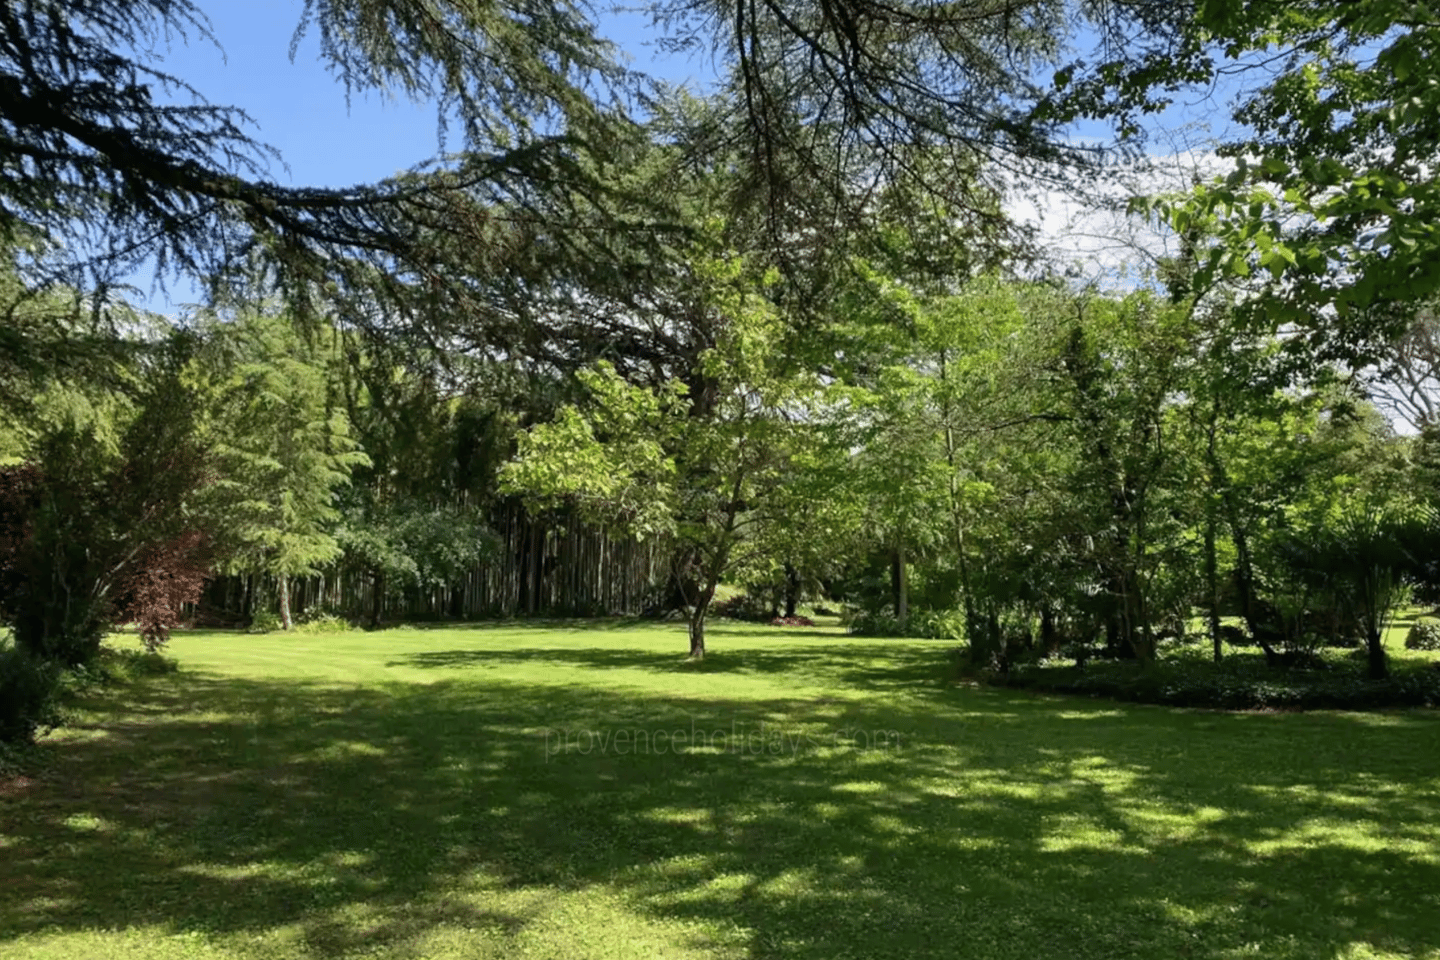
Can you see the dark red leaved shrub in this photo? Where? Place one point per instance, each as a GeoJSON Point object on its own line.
{"type": "Point", "coordinates": [162, 579]}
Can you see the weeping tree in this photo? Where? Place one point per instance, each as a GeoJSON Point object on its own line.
{"type": "Point", "coordinates": [1367, 553]}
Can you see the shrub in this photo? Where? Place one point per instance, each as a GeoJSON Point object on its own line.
{"type": "Point", "coordinates": [29, 695]}
{"type": "Point", "coordinates": [792, 622]}
{"type": "Point", "coordinates": [93, 534]}
{"type": "Point", "coordinates": [1239, 683]}
{"type": "Point", "coordinates": [160, 582]}
{"type": "Point", "coordinates": [876, 624]}
{"type": "Point", "coordinates": [264, 621]}
{"type": "Point", "coordinates": [743, 606]}
{"type": "Point", "coordinates": [111, 666]}
{"type": "Point", "coordinates": [938, 625]}
{"type": "Point", "coordinates": [320, 613]}
{"type": "Point", "coordinates": [123, 665]}
{"type": "Point", "coordinates": [1424, 635]}
{"type": "Point", "coordinates": [923, 625]}
{"type": "Point", "coordinates": [322, 622]}
{"type": "Point", "coordinates": [17, 759]}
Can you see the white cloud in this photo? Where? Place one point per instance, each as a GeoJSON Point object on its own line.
{"type": "Point", "coordinates": [1084, 225]}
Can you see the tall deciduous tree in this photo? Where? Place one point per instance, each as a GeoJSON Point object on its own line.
{"type": "Point", "coordinates": [1331, 198]}
{"type": "Point", "coordinates": [708, 459]}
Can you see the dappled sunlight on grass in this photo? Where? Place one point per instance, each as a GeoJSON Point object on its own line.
{"type": "Point", "coordinates": [507, 792]}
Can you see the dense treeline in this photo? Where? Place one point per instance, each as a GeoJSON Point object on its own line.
{"type": "Point", "coordinates": [531, 566]}
{"type": "Point", "coordinates": [1095, 472]}
{"type": "Point", "coordinates": [1036, 467]}
{"type": "Point", "coordinates": [318, 470]}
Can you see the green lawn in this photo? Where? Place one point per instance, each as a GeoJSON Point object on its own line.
{"type": "Point", "coordinates": [506, 792]}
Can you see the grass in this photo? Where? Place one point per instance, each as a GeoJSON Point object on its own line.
{"type": "Point", "coordinates": [501, 791]}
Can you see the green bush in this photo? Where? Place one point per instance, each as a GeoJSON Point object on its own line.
{"type": "Point", "coordinates": [125, 665]}
{"type": "Point", "coordinates": [322, 623]}
{"type": "Point", "coordinates": [1424, 635]}
{"type": "Point", "coordinates": [866, 623]}
{"type": "Point", "coordinates": [321, 619]}
{"type": "Point", "coordinates": [264, 622]}
{"type": "Point", "coordinates": [744, 607]}
{"type": "Point", "coordinates": [938, 625]}
{"type": "Point", "coordinates": [1239, 683]}
{"type": "Point", "coordinates": [18, 758]}
{"type": "Point", "coordinates": [29, 695]}
{"type": "Point", "coordinates": [110, 666]}
{"type": "Point", "coordinates": [922, 625]}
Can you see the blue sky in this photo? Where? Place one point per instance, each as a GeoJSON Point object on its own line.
{"type": "Point", "coordinates": [301, 110]}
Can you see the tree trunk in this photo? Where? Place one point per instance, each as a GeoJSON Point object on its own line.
{"type": "Point", "coordinates": [1129, 638]}
{"type": "Point", "coordinates": [537, 569]}
{"type": "Point", "coordinates": [1379, 667]}
{"type": "Point", "coordinates": [1144, 644]}
{"type": "Point", "coordinates": [523, 569]}
{"type": "Point", "coordinates": [697, 623]}
{"type": "Point", "coordinates": [973, 626]}
{"type": "Point", "coordinates": [999, 643]}
{"type": "Point", "coordinates": [1212, 586]}
{"type": "Point", "coordinates": [1049, 636]}
{"type": "Point", "coordinates": [1115, 644]}
{"type": "Point", "coordinates": [284, 588]}
{"type": "Point", "coordinates": [792, 589]}
{"type": "Point", "coordinates": [680, 585]}
{"type": "Point", "coordinates": [899, 584]}
{"type": "Point", "coordinates": [974, 629]}
{"type": "Point", "coordinates": [1212, 564]}
{"type": "Point", "coordinates": [1244, 571]}
{"type": "Point", "coordinates": [697, 636]}
{"type": "Point", "coordinates": [247, 600]}
{"type": "Point", "coordinates": [377, 600]}
{"type": "Point", "coordinates": [1245, 583]}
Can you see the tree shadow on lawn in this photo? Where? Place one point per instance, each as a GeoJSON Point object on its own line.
{"type": "Point", "coordinates": [865, 665]}
{"type": "Point", "coordinates": [995, 826]}
{"type": "Point", "coordinates": [576, 624]}
{"type": "Point", "coordinates": [537, 624]}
